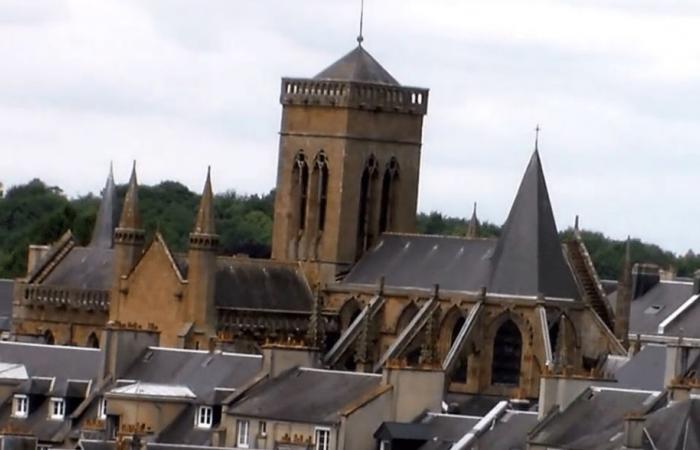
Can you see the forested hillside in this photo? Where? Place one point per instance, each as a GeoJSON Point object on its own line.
{"type": "Point", "coordinates": [36, 213]}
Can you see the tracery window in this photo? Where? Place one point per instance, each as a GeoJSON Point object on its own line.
{"type": "Point", "coordinates": [389, 192]}
{"type": "Point", "coordinates": [507, 350]}
{"type": "Point", "coordinates": [300, 186]}
{"type": "Point", "coordinates": [364, 234]}
{"type": "Point", "coordinates": [321, 172]}
{"type": "Point", "coordinates": [460, 371]}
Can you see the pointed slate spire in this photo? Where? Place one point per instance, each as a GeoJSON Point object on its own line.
{"type": "Point", "coordinates": [106, 219]}
{"type": "Point", "coordinates": [358, 65]}
{"type": "Point", "coordinates": [131, 218]}
{"type": "Point", "coordinates": [528, 258]}
{"type": "Point", "coordinates": [473, 227]}
{"type": "Point", "coordinates": [205, 214]}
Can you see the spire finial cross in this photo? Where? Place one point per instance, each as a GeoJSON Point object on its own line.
{"type": "Point", "coordinates": [360, 38]}
{"type": "Point", "coordinates": [537, 136]}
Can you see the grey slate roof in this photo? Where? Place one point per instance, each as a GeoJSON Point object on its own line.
{"type": "Point", "coordinates": [107, 216]}
{"type": "Point", "coordinates": [432, 429]}
{"type": "Point", "coordinates": [448, 428]}
{"type": "Point", "coordinates": [181, 431]}
{"type": "Point", "coordinates": [510, 431]}
{"type": "Point", "coordinates": [38, 422]}
{"type": "Point", "coordinates": [83, 268]}
{"type": "Point", "coordinates": [53, 361]}
{"type": "Point", "coordinates": [676, 426]}
{"type": "Point", "coordinates": [6, 294]}
{"type": "Point", "coordinates": [472, 404]}
{"type": "Point", "coordinates": [357, 65]}
{"type": "Point", "coordinates": [645, 370]}
{"type": "Point", "coordinates": [261, 284]}
{"type": "Point", "coordinates": [528, 259]}
{"type": "Point", "coordinates": [591, 420]}
{"type": "Point", "coordinates": [305, 395]}
{"type": "Point", "coordinates": [94, 444]}
{"type": "Point", "coordinates": [649, 310]}
{"type": "Point", "coordinates": [420, 261]}
{"type": "Point", "coordinates": [66, 365]}
{"type": "Point", "coordinates": [200, 371]}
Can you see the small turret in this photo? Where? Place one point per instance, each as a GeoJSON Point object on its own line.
{"type": "Point", "coordinates": [204, 233]}
{"type": "Point", "coordinates": [201, 274]}
{"type": "Point", "coordinates": [129, 238]}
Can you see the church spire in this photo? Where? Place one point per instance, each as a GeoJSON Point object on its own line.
{"type": "Point", "coordinates": [103, 230]}
{"type": "Point", "coordinates": [204, 235]}
{"type": "Point", "coordinates": [528, 258]}
{"type": "Point", "coordinates": [360, 37]}
{"type": "Point", "coordinates": [131, 218]}
{"type": "Point", "coordinates": [473, 227]}
{"type": "Point", "coordinates": [205, 215]}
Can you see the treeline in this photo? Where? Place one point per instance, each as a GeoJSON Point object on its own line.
{"type": "Point", "coordinates": [35, 213]}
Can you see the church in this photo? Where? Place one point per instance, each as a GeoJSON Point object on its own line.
{"type": "Point", "coordinates": [348, 276]}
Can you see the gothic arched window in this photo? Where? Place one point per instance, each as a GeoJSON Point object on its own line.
{"type": "Point", "coordinates": [388, 203]}
{"type": "Point", "coordinates": [460, 370]}
{"type": "Point", "coordinates": [507, 350]}
{"type": "Point", "coordinates": [299, 187]}
{"type": "Point", "coordinates": [321, 172]}
{"type": "Point", "coordinates": [364, 234]}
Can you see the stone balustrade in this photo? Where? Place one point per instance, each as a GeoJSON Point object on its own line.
{"type": "Point", "coordinates": [354, 95]}
{"type": "Point", "coordinates": [86, 299]}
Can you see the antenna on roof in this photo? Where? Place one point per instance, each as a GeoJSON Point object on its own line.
{"type": "Point", "coordinates": [537, 136]}
{"type": "Point", "coordinates": [362, 14]}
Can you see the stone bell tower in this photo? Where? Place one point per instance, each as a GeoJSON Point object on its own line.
{"type": "Point", "coordinates": [349, 159]}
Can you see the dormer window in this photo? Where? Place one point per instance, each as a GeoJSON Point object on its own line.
{"type": "Point", "coordinates": [205, 417]}
{"type": "Point", "coordinates": [20, 406]}
{"type": "Point", "coordinates": [102, 409]}
{"type": "Point", "coordinates": [322, 437]}
{"type": "Point", "coordinates": [58, 408]}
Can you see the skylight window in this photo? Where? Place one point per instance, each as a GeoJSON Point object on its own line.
{"type": "Point", "coordinates": [653, 309]}
{"type": "Point", "coordinates": [20, 406]}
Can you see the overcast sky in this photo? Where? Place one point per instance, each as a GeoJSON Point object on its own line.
{"type": "Point", "coordinates": [180, 84]}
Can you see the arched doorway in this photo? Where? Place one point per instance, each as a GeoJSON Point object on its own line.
{"type": "Point", "coordinates": [49, 338]}
{"type": "Point", "coordinates": [93, 341]}
{"type": "Point", "coordinates": [507, 351]}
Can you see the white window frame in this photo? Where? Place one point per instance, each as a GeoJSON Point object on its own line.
{"type": "Point", "coordinates": [262, 428]}
{"type": "Point", "coordinates": [102, 409]}
{"type": "Point", "coordinates": [20, 406]}
{"type": "Point", "coordinates": [204, 417]}
{"type": "Point", "coordinates": [242, 433]}
{"type": "Point", "coordinates": [321, 444]}
{"type": "Point", "coordinates": [58, 408]}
